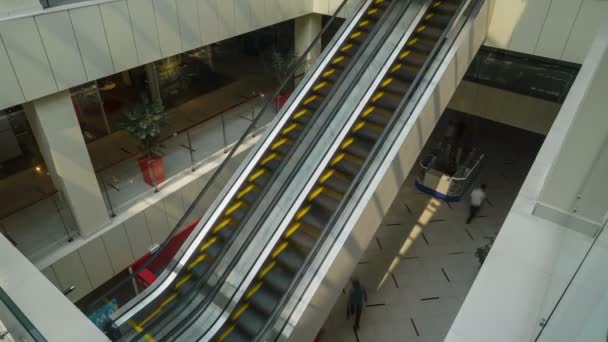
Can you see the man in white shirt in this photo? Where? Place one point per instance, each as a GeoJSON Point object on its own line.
{"type": "Point", "coordinates": [478, 196]}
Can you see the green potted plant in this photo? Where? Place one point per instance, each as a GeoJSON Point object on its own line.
{"type": "Point", "coordinates": [281, 65]}
{"type": "Point", "coordinates": [144, 122]}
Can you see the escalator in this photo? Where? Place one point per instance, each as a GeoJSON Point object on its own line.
{"type": "Point", "coordinates": [231, 221]}
{"type": "Point", "coordinates": [265, 294]}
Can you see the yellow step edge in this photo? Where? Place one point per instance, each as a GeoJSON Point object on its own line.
{"type": "Point", "coordinates": [421, 28]}
{"type": "Point", "coordinates": [337, 159]}
{"type": "Point", "coordinates": [312, 98]}
{"type": "Point", "coordinates": [289, 128]}
{"type": "Point", "coordinates": [270, 157]}
{"type": "Point", "coordinates": [336, 61]}
{"type": "Point", "coordinates": [396, 67]}
{"type": "Point", "coordinates": [405, 54]}
{"type": "Point", "coordinates": [346, 47]}
{"type": "Point", "coordinates": [360, 124]}
{"type": "Point", "coordinates": [319, 86]}
{"type": "Point", "coordinates": [326, 175]}
{"type": "Point", "coordinates": [267, 269]}
{"type": "Point", "coordinates": [300, 113]}
{"type": "Point", "coordinates": [372, 11]}
{"type": "Point", "coordinates": [256, 175]}
{"type": "Point", "coordinates": [183, 281]}
{"type": "Point", "coordinates": [378, 1]}
{"type": "Point", "coordinates": [368, 111]}
{"type": "Point", "coordinates": [302, 212]}
{"type": "Point", "coordinates": [327, 74]}
{"type": "Point", "coordinates": [234, 207]}
{"type": "Point", "coordinates": [429, 16]}
{"type": "Point", "coordinates": [197, 261]}
{"type": "Point", "coordinates": [222, 225]}
{"type": "Point", "coordinates": [245, 191]}
{"type": "Point", "coordinates": [437, 4]}
{"type": "Point", "coordinates": [240, 311]}
{"type": "Point", "coordinates": [279, 143]}
{"type": "Point", "coordinates": [378, 96]}
{"type": "Point", "coordinates": [412, 42]}
{"type": "Point", "coordinates": [386, 82]}
{"type": "Point", "coordinates": [279, 249]}
{"type": "Point", "coordinates": [208, 243]}
{"type": "Point", "coordinates": [226, 332]}
{"type": "Point", "coordinates": [158, 310]}
{"type": "Point", "coordinates": [139, 329]}
{"type": "Point", "coordinates": [355, 35]}
{"type": "Point", "coordinates": [318, 190]}
{"type": "Point", "coordinates": [254, 289]}
{"type": "Point", "coordinates": [363, 23]}
{"type": "Point", "coordinates": [292, 229]}
{"type": "Point", "coordinates": [347, 143]}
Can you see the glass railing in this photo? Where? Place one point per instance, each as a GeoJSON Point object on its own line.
{"type": "Point", "coordinates": [183, 151]}
{"type": "Point", "coordinates": [14, 326]}
{"type": "Point", "coordinates": [579, 309]}
{"type": "Point", "coordinates": [40, 226]}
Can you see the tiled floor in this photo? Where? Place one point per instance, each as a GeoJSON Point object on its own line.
{"type": "Point", "coordinates": [420, 266]}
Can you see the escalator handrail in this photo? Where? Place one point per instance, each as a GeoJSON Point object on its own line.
{"type": "Point", "coordinates": [271, 206]}
{"type": "Point", "coordinates": [363, 171]}
{"type": "Point", "coordinates": [252, 126]}
{"type": "Point", "coordinates": [202, 281]}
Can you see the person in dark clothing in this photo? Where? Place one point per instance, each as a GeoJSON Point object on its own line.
{"type": "Point", "coordinates": [358, 297]}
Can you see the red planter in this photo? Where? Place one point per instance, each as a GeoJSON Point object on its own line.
{"type": "Point", "coordinates": [152, 170]}
{"type": "Point", "coordinates": [280, 100]}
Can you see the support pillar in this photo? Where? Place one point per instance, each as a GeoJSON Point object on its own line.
{"type": "Point", "coordinates": [153, 85]}
{"type": "Point", "coordinates": [576, 184]}
{"type": "Point", "coordinates": [57, 131]}
{"type": "Point", "coordinates": [306, 29]}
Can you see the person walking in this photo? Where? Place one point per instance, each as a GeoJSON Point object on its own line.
{"type": "Point", "coordinates": [358, 297]}
{"type": "Point", "coordinates": [478, 196]}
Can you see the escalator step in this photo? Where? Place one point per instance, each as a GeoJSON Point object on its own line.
{"type": "Point", "coordinates": [302, 240]}
{"type": "Point", "coordinates": [290, 259]}
{"type": "Point", "coordinates": [437, 19]}
{"type": "Point", "coordinates": [340, 61]}
{"type": "Point", "coordinates": [348, 167]}
{"type": "Point", "coordinates": [338, 182]}
{"type": "Point", "coordinates": [415, 58]}
{"type": "Point", "coordinates": [200, 269]}
{"type": "Point", "coordinates": [406, 74]}
{"type": "Point", "coordinates": [293, 134]}
{"type": "Point", "coordinates": [251, 321]}
{"type": "Point", "coordinates": [379, 116]}
{"type": "Point", "coordinates": [278, 279]}
{"type": "Point", "coordinates": [387, 100]}
{"type": "Point", "coordinates": [251, 196]}
{"type": "Point", "coordinates": [359, 148]}
{"type": "Point", "coordinates": [215, 249]}
{"type": "Point", "coordinates": [315, 217]}
{"type": "Point", "coordinates": [237, 336]}
{"type": "Point", "coordinates": [265, 300]}
{"type": "Point", "coordinates": [262, 180]}
{"type": "Point", "coordinates": [359, 35]}
{"type": "Point", "coordinates": [283, 148]}
{"type": "Point", "coordinates": [396, 84]}
{"type": "Point", "coordinates": [446, 7]}
{"type": "Point", "coordinates": [273, 164]}
{"type": "Point", "coordinates": [226, 232]}
{"type": "Point", "coordinates": [326, 201]}
{"type": "Point", "coordinates": [423, 45]}
{"type": "Point", "coordinates": [431, 33]}
{"type": "Point", "coordinates": [369, 133]}
{"type": "Point", "coordinates": [239, 214]}
{"type": "Point", "coordinates": [304, 119]}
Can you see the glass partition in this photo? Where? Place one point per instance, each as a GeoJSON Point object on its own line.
{"type": "Point", "coordinates": [14, 326]}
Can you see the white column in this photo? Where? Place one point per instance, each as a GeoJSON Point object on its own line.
{"type": "Point", "coordinates": [152, 78]}
{"type": "Point", "coordinates": [55, 126]}
{"type": "Point", "coordinates": [306, 29]}
{"type": "Point", "coordinates": [576, 183]}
